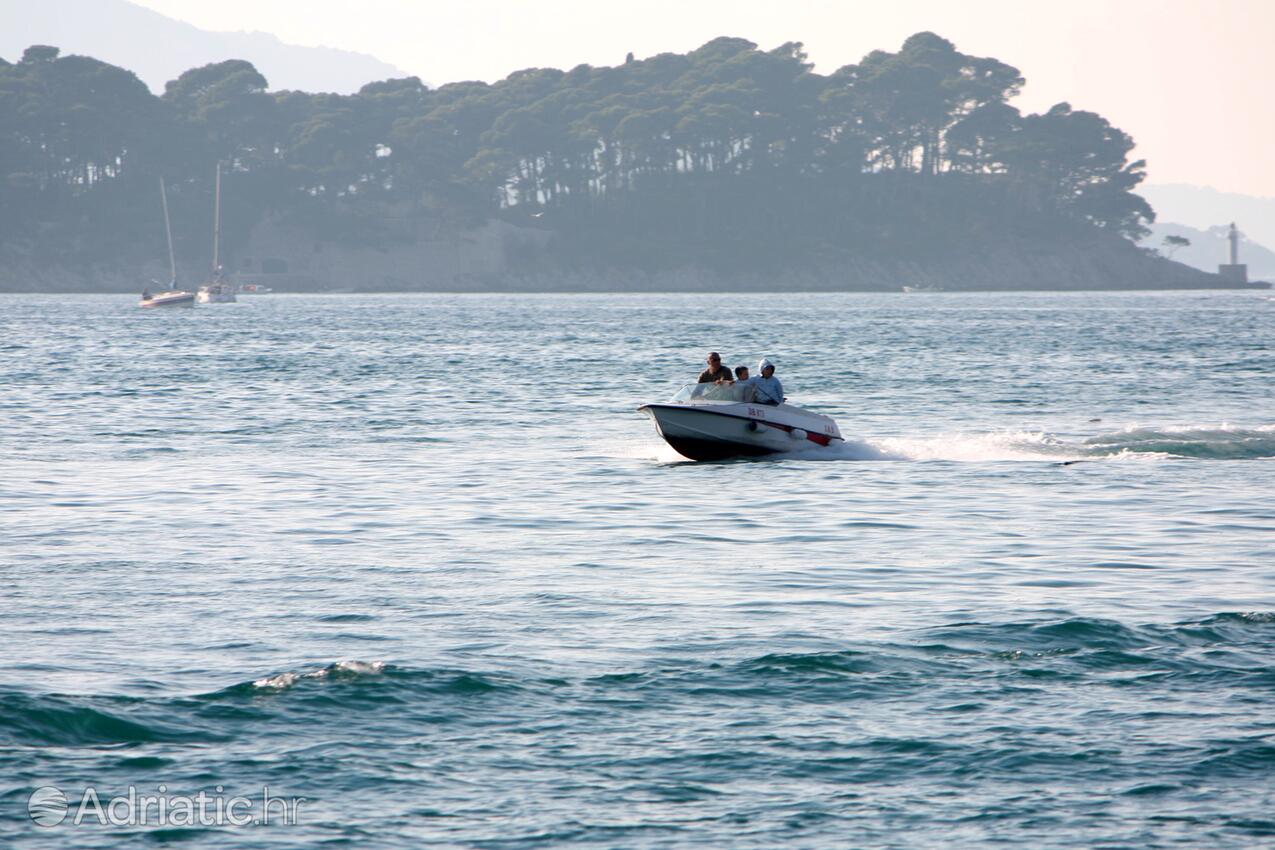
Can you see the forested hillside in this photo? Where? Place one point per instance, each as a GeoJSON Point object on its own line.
{"type": "Point", "coordinates": [726, 157]}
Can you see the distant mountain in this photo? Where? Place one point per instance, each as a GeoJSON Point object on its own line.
{"type": "Point", "coordinates": [1209, 248]}
{"type": "Point", "coordinates": [1202, 208]}
{"type": "Point", "coordinates": [158, 48]}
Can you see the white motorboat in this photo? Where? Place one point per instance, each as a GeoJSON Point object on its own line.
{"type": "Point", "coordinates": [171, 297]}
{"type": "Point", "coordinates": [715, 421]}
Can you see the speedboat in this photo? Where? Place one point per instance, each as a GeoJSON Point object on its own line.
{"type": "Point", "coordinates": [171, 298]}
{"type": "Point", "coordinates": [716, 421]}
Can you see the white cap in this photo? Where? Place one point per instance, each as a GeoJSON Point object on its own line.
{"type": "Point", "coordinates": [761, 367]}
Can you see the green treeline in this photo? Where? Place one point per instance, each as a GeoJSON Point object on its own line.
{"type": "Point", "coordinates": [725, 155]}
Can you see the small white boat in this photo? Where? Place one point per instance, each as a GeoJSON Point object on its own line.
{"type": "Point", "coordinates": [713, 421]}
{"type": "Point", "coordinates": [171, 297]}
{"type": "Point", "coordinates": [922, 289]}
{"type": "Point", "coordinates": [217, 292]}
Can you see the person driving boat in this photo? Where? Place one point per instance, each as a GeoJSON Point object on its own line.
{"type": "Point", "coordinates": [715, 372]}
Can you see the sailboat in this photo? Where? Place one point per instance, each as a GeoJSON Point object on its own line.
{"type": "Point", "coordinates": [218, 290]}
{"type": "Point", "coordinates": [171, 297]}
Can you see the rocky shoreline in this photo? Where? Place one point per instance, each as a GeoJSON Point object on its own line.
{"type": "Point", "coordinates": [478, 261]}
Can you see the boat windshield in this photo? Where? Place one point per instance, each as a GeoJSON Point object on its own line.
{"type": "Point", "coordinates": [692, 393]}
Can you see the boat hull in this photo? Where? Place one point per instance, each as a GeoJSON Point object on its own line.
{"type": "Point", "coordinates": [168, 300]}
{"type": "Point", "coordinates": [699, 448]}
{"type": "Point", "coordinates": [717, 432]}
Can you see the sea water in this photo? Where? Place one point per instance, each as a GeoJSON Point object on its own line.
{"type": "Point", "coordinates": [418, 560]}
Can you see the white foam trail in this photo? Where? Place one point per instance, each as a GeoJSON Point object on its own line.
{"type": "Point", "coordinates": [1135, 443]}
{"type": "Point", "coordinates": [982, 447]}
{"type": "Point", "coordinates": [1140, 443]}
{"type": "Point", "coordinates": [967, 447]}
{"type": "Point", "coordinates": [851, 449]}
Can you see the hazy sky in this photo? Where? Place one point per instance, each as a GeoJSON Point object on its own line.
{"type": "Point", "coordinates": [1191, 80]}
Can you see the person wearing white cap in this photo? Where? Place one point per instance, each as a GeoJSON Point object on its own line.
{"type": "Point", "coordinates": [766, 387]}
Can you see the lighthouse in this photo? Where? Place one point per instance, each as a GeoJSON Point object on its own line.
{"type": "Point", "coordinates": [1233, 272]}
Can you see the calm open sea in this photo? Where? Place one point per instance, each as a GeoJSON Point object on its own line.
{"type": "Point", "coordinates": [417, 559]}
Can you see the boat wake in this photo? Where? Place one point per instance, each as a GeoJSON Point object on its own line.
{"type": "Point", "coordinates": [1213, 442]}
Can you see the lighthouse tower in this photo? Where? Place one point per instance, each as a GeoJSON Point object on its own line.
{"type": "Point", "coordinates": [1234, 271]}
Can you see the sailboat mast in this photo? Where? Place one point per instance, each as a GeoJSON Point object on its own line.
{"type": "Point", "coordinates": [217, 223]}
{"type": "Point", "coordinates": [168, 232]}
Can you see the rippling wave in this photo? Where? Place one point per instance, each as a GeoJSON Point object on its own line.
{"type": "Point", "coordinates": [1233, 649]}
{"type": "Point", "coordinates": [1042, 706]}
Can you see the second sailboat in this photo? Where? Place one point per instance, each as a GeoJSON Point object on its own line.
{"type": "Point", "coordinates": [218, 290]}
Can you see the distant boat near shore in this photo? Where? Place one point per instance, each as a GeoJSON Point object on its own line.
{"type": "Point", "coordinates": [171, 297]}
{"type": "Point", "coordinates": [218, 290]}
{"type": "Point", "coordinates": [919, 288]}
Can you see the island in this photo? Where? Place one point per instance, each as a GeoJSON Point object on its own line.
{"type": "Point", "coordinates": [727, 168]}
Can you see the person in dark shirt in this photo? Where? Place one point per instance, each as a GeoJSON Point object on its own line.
{"type": "Point", "coordinates": [715, 371]}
